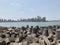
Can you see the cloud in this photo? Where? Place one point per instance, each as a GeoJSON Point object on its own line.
{"type": "Point", "coordinates": [32, 9]}
{"type": "Point", "coordinates": [15, 4]}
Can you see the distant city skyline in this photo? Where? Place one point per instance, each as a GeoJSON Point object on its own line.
{"type": "Point", "coordinates": [36, 19]}
{"type": "Point", "coordinates": [16, 9]}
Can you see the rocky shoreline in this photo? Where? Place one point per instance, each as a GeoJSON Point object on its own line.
{"type": "Point", "coordinates": [30, 35]}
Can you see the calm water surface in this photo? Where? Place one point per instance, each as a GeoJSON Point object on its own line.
{"type": "Point", "coordinates": [19, 24]}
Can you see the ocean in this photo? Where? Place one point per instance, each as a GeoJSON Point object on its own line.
{"type": "Point", "coordinates": [20, 24]}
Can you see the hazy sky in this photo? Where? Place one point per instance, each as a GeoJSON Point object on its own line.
{"type": "Point", "coordinates": [16, 9]}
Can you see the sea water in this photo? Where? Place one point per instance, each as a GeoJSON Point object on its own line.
{"type": "Point", "coordinates": [19, 24]}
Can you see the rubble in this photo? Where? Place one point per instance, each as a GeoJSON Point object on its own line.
{"type": "Point", "coordinates": [30, 35]}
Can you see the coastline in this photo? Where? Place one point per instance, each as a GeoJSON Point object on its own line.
{"type": "Point", "coordinates": [32, 21]}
